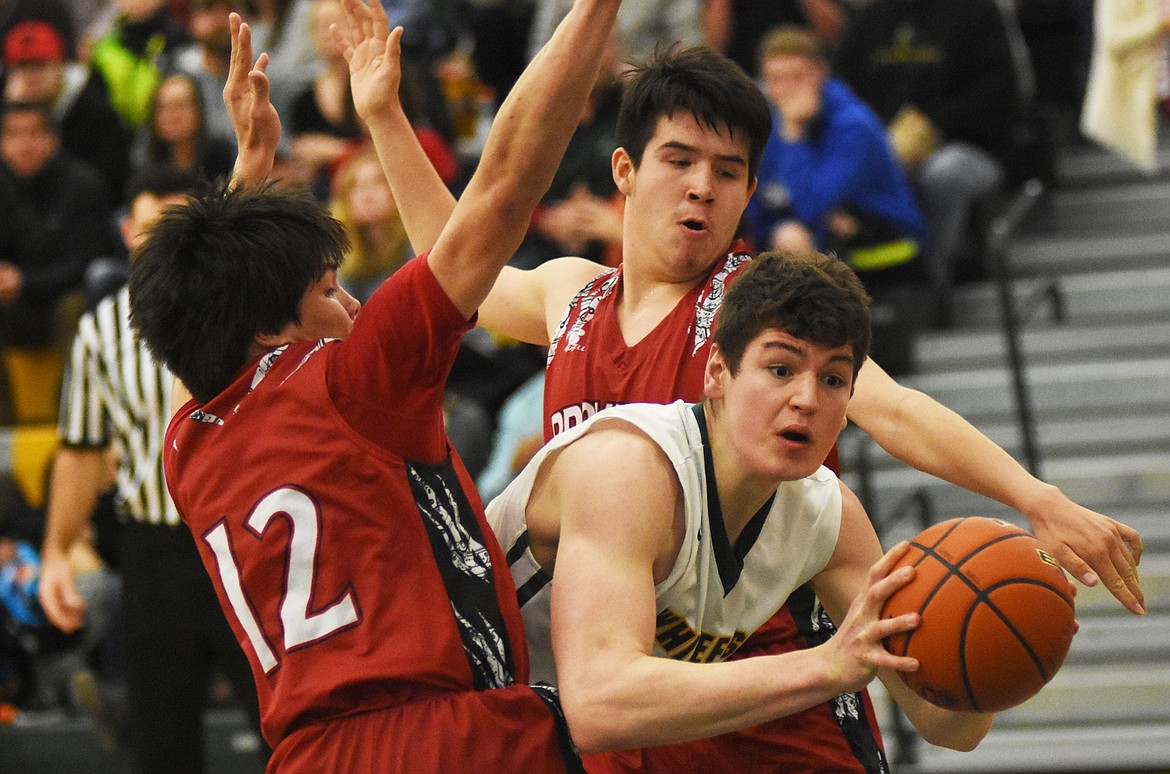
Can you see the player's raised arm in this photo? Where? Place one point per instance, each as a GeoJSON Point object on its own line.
{"type": "Point", "coordinates": [926, 435]}
{"type": "Point", "coordinates": [254, 119]}
{"type": "Point", "coordinates": [523, 150]}
{"type": "Point", "coordinates": [374, 53]}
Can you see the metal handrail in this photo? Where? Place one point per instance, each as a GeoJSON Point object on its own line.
{"type": "Point", "coordinates": [1002, 229]}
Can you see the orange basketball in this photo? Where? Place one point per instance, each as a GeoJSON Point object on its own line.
{"type": "Point", "coordinates": [997, 615]}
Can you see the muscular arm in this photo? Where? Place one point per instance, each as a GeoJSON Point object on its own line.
{"type": "Point", "coordinates": [618, 537]}
{"type": "Point", "coordinates": [74, 489]}
{"type": "Point", "coordinates": [527, 140]}
{"type": "Point", "coordinates": [928, 436]}
{"type": "Point", "coordinates": [843, 582]}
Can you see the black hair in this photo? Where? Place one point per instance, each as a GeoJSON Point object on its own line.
{"type": "Point", "coordinates": [228, 266]}
{"type": "Point", "coordinates": [696, 80]}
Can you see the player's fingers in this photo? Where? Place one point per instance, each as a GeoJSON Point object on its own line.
{"type": "Point", "coordinates": [888, 660]}
{"type": "Point", "coordinates": [1133, 540]}
{"type": "Point", "coordinates": [378, 15]}
{"type": "Point", "coordinates": [234, 22]}
{"type": "Point", "coordinates": [394, 44]}
{"type": "Point", "coordinates": [1123, 583]}
{"type": "Point", "coordinates": [889, 559]}
{"type": "Point", "coordinates": [899, 624]}
{"type": "Point", "coordinates": [260, 87]}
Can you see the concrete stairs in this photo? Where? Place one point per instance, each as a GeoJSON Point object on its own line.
{"type": "Point", "coordinates": [1093, 280]}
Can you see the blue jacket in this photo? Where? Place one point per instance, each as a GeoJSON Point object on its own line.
{"type": "Point", "coordinates": [843, 162]}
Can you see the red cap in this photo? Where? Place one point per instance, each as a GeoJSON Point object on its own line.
{"type": "Point", "coordinates": [33, 41]}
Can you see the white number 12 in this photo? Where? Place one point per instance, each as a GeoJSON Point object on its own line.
{"type": "Point", "coordinates": [300, 627]}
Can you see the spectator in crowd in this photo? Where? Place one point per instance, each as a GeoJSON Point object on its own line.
{"type": "Point", "coordinates": [176, 132]}
{"type": "Point", "coordinates": [174, 635]}
{"type": "Point", "coordinates": [59, 663]}
{"type": "Point", "coordinates": [518, 436]}
{"type": "Point", "coordinates": [642, 27]}
{"type": "Point", "coordinates": [736, 27]}
{"type": "Point", "coordinates": [828, 179]}
{"type": "Point", "coordinates": [58, 13]}
{"type": "Point", "coordinates": [430, 29]}
{"type": "Point", "coordinates": [1129, 75]}
{"type": "Point", "coordinates": [56, 220]}
{"type": "Point", "coordinates": [941, 76]}
{"type": "Point", "coordinates": [363, 203]}
{"type": "Point", "coordinates": [283, 29]}
{"type": "Point", "coordinates": [38, 71]}
{"type": "Point", "coordinates": [136, 54]}
{"type": "Point", "coordinates": [207, 59]}
{"type": "Point", "coordinates": [322, 121]}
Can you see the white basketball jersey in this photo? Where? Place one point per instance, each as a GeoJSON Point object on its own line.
{"type": "Point", "coordinates": [716, 594]}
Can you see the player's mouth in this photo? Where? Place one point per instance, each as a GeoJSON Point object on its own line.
{"type": "Point", "coordinates": [796, 435]}
{"type": "Point", "coordinates": [694, 225]}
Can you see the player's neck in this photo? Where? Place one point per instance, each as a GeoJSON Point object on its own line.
{"type": "Point", "coordinates": [649, 292]}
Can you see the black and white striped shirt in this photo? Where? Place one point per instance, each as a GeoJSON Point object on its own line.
{"type": "Point", "coordinates": [116, 394]}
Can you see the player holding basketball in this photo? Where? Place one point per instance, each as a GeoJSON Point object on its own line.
{"type": "Point", "coordinates": [692, 130]}
{"type": "Point", "coordinates": [692, 524]}
{"type": "Point", "coordinates": [344, 537]}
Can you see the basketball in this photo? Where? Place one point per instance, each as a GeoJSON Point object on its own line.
{"type": "Point", "coordinates": [997, 615]}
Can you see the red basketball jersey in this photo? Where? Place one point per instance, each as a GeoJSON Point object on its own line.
{"type": "Point", "coordinates": [346, 542]}
{"type": "Point", "coordinates": [589, 368]}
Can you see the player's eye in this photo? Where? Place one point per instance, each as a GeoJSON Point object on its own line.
{"type": "Point", "coordinates": [835, 380]}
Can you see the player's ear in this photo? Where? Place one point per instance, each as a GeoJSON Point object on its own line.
{"type": "Point", "coordinates": [716, 374]}
{"type": "Point", "coordinates": [623, 168]}
{"type": "Point", "coordinates": [272, 340]}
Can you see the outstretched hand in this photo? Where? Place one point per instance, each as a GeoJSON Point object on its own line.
{"type": "Point", "coordinates": [373, 52]}
{"type": "Point", "coordinates": [1092, 547]}
{"type": "Point", "coordinates": [246, 95]}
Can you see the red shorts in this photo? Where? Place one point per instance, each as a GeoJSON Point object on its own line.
{"type": "Point", "coordinates": [503, 730]}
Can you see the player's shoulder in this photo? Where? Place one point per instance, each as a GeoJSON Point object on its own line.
{"type": "Point", "coordinates": [569, 272]}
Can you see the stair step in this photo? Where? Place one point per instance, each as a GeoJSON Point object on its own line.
{"type": "Point", "coordinates": [1115, 208]}
{"type": "Point", "coordinates": [1105, 639]}
{"type": "Point", "coordinates": [1054, 343]}
{"type": "Point", "coordinates": [1064, 254]}
{"type": "Point", "coordinates": [1100, 749]}
{"type": "Point", "coordinates": [987, 394]}
{"type": "Point", "coordinates": [1104, 484]}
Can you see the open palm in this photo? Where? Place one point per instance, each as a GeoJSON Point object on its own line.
{"type": "Point", "coordinates": [373, 52]}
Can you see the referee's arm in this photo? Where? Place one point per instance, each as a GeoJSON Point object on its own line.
{"type": "Point", "coordinates": [78, 480]}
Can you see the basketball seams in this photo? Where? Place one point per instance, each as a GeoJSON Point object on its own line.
{"type": "Point", "coordinates": [953, 568]}
{"type": "Point", "coordinates": [984, 596]}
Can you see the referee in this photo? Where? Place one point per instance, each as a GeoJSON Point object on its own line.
{"type": "Point", "coordinates": [174, 632]}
